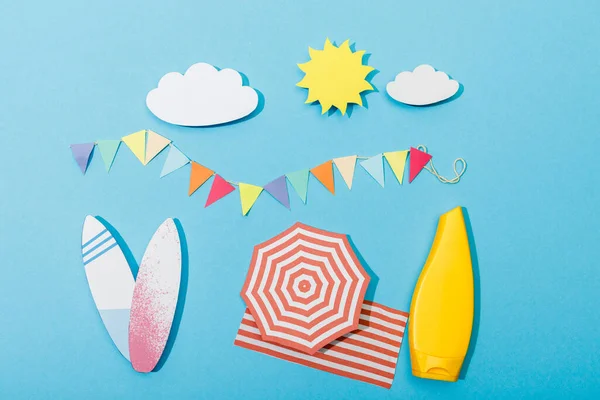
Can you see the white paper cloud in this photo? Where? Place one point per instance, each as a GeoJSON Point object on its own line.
{"type": "Point", "coordinates": [421, 87]}
{"type": "Point", "coordinates": [203, 96]}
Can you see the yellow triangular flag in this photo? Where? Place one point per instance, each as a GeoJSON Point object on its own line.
{"type": "Point", "coordinates": [248, 195]}
{"type": "Point", "coordinates": [397, 161]}
{"type": "Point", "coordinates": [137, 144]}
{"type": "Point", "coordinates": [155, 145]}
{"type": "Point", "coordinates": [346, 166]}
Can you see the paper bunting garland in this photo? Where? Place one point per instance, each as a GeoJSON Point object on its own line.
{"type": "Point", "coordinates": [198, 176]}
{"type": "Point", "coordinates": [278, 189]}
{"type": "Point", "coordinates": [397, 161]}
{"type": "Point", "coordinates": [248, 196]}
{"type": "Point", "coordinates": [108, 150]}
{"type": "Point", "coordinates": [374, 166]}
{"type": "Point", "coordinates": [324, 174]}
{"type": "Point", "coordinates": [147, 144]}
{"type": "Point", "coordinates": [299, 181]}
{"type": "Point", "coordinates": [346, 166]}
{"type": "Point", "coordinates": [219, 189]}
{"type": "Point", "coordinates": [137, 144]}
{"type": "Point", "coordinates": [81, 154]}
{"type": "Point", "coordinates": [175, 160]}
{"type": "Point", "coordinates": [418, 161]}
{"type": "Point", "coordinates": [155, 145]}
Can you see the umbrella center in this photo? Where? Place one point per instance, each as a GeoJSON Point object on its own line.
{"type": "Point", "coordinates": [304, 286]}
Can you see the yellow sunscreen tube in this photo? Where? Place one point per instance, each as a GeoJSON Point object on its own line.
{"type": "Point", "coordinates": [441, 311]}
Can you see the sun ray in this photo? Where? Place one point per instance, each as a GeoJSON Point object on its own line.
{"type": "Point", "coordinates": [335, 76]}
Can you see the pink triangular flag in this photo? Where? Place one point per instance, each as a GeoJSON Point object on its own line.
{"type": "Point", "coordinates": [219, 189]}
{"type": "Point", "coordinates": [418, 160]}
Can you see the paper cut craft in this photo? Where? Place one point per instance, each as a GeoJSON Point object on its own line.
{"type": "Point", "coordinates": [203, 96]}
{"type": "Point", "coordinates": [374, 166]}
{"type": "Point", "coordinates": [248, 196]}
{"type": "Point", "coordinates": [155, 145]}
{"type": "Point", "coordinates": [324, 174]}
{"type": "Point", "coordinates": [219, 189]}
{"type": "Point", "coordinates": [278, 189]}
{"type": "Point", "coordinates": [155, 297]}
{"type": "Point", "coordinates": [198, 176]}
{"type": "Point", "coordinates": [137, 144]}
{"type": "Point", "coordinates": [418, 161]}
{"type": "Point", "coordinates": [368, 354]}
{"type": "Point", "coordinates": [305, 287]}
{"type": "Point", "coordinates": [299, 181]}
{"type": "Point", "coordinates": [346, 166]}
{"type": "Point", "coordinates": [137, 314]}
{"type": "Point", "coordinates": [108, 150]}
{"type": "Point", "coordinates": [110, 280]}
{"type": "Point", "coordinates": [397, 162]}
{"type": "Point", "coordinates": [423, 86]}
{"type": "Point", "coordinates": [81, 154]}
{"type": "Point", "coordinates": [443, 303]}
{"type": "Point", "coordinates": [335, 76]}
{"type": "Point", "coordinates": [175, 160]}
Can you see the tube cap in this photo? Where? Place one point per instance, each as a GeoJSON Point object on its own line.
{"type": "Point", "coordinates": [430, 367]}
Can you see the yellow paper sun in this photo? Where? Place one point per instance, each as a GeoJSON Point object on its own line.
{"type": "Point", "coordinates": [335, 76]}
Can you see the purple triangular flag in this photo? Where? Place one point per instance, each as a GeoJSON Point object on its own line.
{"type": "Point", "coordinates": [81, 154]}
{"type": "Point", "coordinates": [278, 189]}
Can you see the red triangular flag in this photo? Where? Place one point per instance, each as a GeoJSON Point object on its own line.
{"type": "Point", "coordinates": [219, 189]}
{"type": "Point", "coordinates": [418, 160]}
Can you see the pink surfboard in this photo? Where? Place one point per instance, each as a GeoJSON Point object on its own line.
{"type": "Point", "coordinates": [155, 298]}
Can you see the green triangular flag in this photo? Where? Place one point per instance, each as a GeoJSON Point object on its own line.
{"type": "Point", "coordinates": [108, 151]}
{"type": "Point", "coordinates": [299, 181]}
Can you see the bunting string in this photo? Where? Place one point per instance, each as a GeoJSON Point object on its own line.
{"type": "Point", "coordinates": [433, 171]}
{"type": "Point", "coordinates": [146, 145]}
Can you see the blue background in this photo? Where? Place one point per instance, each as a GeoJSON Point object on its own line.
{"type": "Point", "coordinates": [527, 123]}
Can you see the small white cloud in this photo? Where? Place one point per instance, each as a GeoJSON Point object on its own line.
{"type": "Point", "coordinates": [421, 87]}
{"type": "Point", "coordinates": [203, 96]}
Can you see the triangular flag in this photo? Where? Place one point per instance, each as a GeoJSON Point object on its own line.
{"type": "Point", "coordinates": [137, 144]}
{"type": "Point", "coordinates": [155, 145]}
{"type": "Point", "coordinates": [324, 174]}
{"type": "Point", "coordinates": [418, 160]}
{"type": "Point", "coordinates": [374, 166]}
{"type": "Point", "coordinates": [81, 154]}
{"type": "Point", "coordinates": [108, 150]}
{"type": "Point", "coordinates": [175, 160]}
{"type": "Point", "coordinates": [198, 176]}
{"type": "Point", "coordinates": [278, 189]}
{"type": "Point", "coordinates": [397, 161]}
{"type": "Point", "coordinates": [299, 181]}
{"type": "Point", "coordinates": [346, 167]}
{"type": "Point", "coordinates": [248, 195]}
{"type": "Point", "coordinates": [219, 189]}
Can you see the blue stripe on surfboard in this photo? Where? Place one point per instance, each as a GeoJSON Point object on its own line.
{"type": "Point", "coordinates": [100, 253]}
{"type": "Point", "coordinates": [117, 325]}
{"type": "Point", "coordinates": [94, 238]}
{"type": "Point", "coordinates": [96, 246]}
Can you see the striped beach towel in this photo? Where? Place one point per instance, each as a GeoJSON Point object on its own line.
{"type": "Point", "coordinates": [368, 354]}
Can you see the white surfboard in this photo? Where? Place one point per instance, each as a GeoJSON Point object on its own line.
{"type": "Point", "coordinates": [110, 279]}
{"type": "Point", "coordinates": [155, 298]}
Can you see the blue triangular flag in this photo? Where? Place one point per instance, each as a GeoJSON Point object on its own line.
{"type": "Point", "coordinates": [175, 160]}
{"type": "Point", "coordinates": [108, 150]}
{"type": "Point", "coordinates": [374, 166]}
{"type": "Point", "coordinates": [81, 154]}
{"type": "Point", "coordinates": [299, 181]}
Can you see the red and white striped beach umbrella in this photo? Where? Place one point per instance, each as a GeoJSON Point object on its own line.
{"type": "Point", "coordinates": [305, 287]}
